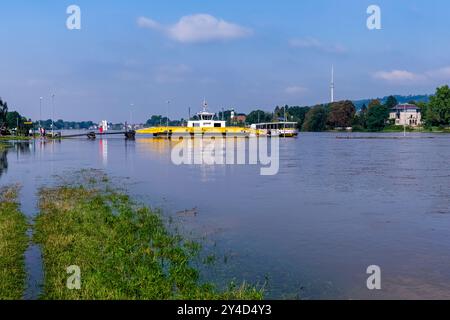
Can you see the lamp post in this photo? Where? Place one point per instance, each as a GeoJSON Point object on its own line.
{"type": "Point", "coordinates": [404, 125]}
{"type": "Point", "coordinates": [40, 112]}
{"type": "Point", "coordinates": [131, 116]}
{"type": "Point", "coordinates": [168, 106]}
{"type": "Point", "coordinates": [53, 114]}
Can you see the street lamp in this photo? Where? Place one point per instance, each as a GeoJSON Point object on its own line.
{"type": "Point", "coordinates": [404, 126]}
{"type": "Point", "coordinates": [168, 106]}
{"type": "Point", "coordinates": [167, 122]}
{"type": "Point", "coordinates": [131, 115]}
{"type": "Point", "coordinates": [53, 115]}
{"type": "Point", "coordinates": [40, 112]}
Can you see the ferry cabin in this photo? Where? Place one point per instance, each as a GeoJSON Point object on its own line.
{"type": "Point", "coordinates": [206, 120]}
{"type": "Point", "coordinates": [283, 129]}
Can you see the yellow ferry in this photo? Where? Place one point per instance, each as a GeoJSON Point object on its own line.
{"type": "Point", "coordinates": [206, 125]}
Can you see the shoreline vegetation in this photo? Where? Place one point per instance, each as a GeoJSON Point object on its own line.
{"type": "Point", "coordinates": [124, 251]}
{"type": "Point", "coordinates": [369, 115]}
{"type": "Point", "coordinates": [13, 244]}
{"type": "Point", "coordinates": [14, 138]}
{"type": "Point", "coordinates": [397, 129]}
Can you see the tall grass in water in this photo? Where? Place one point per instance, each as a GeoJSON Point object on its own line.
{"type": "Point", "coordinates": [13, 244]}
{"type": "Point", "coordinates": [124, 251]}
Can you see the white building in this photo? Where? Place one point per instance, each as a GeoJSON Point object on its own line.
{"type": "Point", "coordinates": [104, 125]}
{"type": "Point", "coordinates": [406, 114]}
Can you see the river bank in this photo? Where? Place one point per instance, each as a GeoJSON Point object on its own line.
{"type": "Point", "coordinates": [14, 138]}
{"type": "Point", "coordinates": [123, 251]}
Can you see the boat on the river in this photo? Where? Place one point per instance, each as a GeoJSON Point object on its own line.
{"type": "Point", "coordinates": [205, 124]}
{"type": "Point", "coordinates": [277, 129]}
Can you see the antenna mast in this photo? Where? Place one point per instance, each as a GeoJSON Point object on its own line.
{"type": "Point", "coordinates": [332, 83]}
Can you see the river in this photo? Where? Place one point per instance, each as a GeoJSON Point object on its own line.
{"type": "Point", "coordinates": [335, 207]}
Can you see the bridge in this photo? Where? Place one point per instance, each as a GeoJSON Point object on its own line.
{"type": "Point", "coordinates": [92, 135]}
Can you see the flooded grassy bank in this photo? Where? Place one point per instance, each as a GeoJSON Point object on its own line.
{"type": "Point", "coordinates": [122, 250]}
{"type": "Point", "coordinates": [13, 243]}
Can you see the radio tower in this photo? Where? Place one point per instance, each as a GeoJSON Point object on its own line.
{"type": "Point", "coordinates": [332, 84]}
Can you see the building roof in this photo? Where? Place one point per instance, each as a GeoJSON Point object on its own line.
{"type": "Point", "coordinates": [407, 106]}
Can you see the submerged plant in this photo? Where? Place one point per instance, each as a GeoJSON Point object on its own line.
{"type": "Point", "coordinates": [123, 251]}
{"type": "Point", "coordinates": [13, 244]}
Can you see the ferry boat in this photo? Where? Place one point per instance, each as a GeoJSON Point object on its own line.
{"type": "Point", "coordinates": [206, 125]}
{"type": "Point", "coordinates": [277, 129]}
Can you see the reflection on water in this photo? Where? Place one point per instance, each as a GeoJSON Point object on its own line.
{"type": "Point", "coordinates": [335, 207]}
{"type": "Point", "coordinates": [18, 148]}
{"type": "Point", "coordinates": [104, 151]}
{"type": "Point", "coordinates": [3, 161]}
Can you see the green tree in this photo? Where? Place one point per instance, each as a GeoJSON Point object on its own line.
{"type": "Point", "coordinates": [377, 116]}
{"type": "Point", "coordinates": [438, 111]}
{"type": "Point", "coordinates": [13, 119]}
{"type": "Point", "coordinates": [391, 102]}
{"type": "Point", "coordinates": [3, 114]}
{"type": "Point", "coordinates": [360, 119]}
{"type": "Point", "coordinates": [281, 112]}
{"type": "Point", "coordinates": [315, 119]}
{"type": "Point", "coordinates": [17, 121]}
{"type": "Point", "coordinates": [155, 121]}
{"type": "Point", "coordinates": [259, 116]}
{"type": "Point", "coordinates": [341, 114]}
{"type": "Point", "coordinates": [423, 106]}
{"type": "Point", "coordinates": [298, 114]}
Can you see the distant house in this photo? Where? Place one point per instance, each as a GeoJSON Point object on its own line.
{"type": "Point", "coordinates": [238, 118]}
{"type": "Point", "coordinates": [406, 113]}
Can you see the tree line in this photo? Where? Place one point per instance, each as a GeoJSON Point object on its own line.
{"type": "Point", "coordinates": [373, 117]}
{"type": "Point", "coordinates": [13, 120]}
{"type": "Point", "coordinates": [9, 120]}
{"type": "Point", "coordinates": [341, 115]}
{"type": "Point", "coordinates": [323, 117]}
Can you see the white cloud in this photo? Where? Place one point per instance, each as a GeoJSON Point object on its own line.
{"type": "Point", "coordinates": [407, 77]}
{"type": "Point", "coordinates": [295, 90]}
{"type": "Point", "coordinates": [315, 44]}
{"type": "Point", "coordinates": [198, 28]}
{"type": "Point", "coordinates": [439, 74]}
{"type": "Point", "coordinates": [398, 76]}
{"type": "Point", "coordinates": [144, 22]}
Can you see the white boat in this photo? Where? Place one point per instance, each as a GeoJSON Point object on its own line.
{"type": "Point", "coordinates": [277, 129]}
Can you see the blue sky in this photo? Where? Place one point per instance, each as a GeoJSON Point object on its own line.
{"type": "Point", "coordinates": [242, 54]}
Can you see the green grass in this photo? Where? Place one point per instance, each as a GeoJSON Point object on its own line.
{"type": "Point", "coordinates": [393, 128]}
{"type": "Point", "coordinates": [124, 251]}
{"type": "Point", "coordinates": [13, 243]}
{"type": "Point", "coordinates": [437, 129]}
{"type": "Point", "coordinates": [15, 138]}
